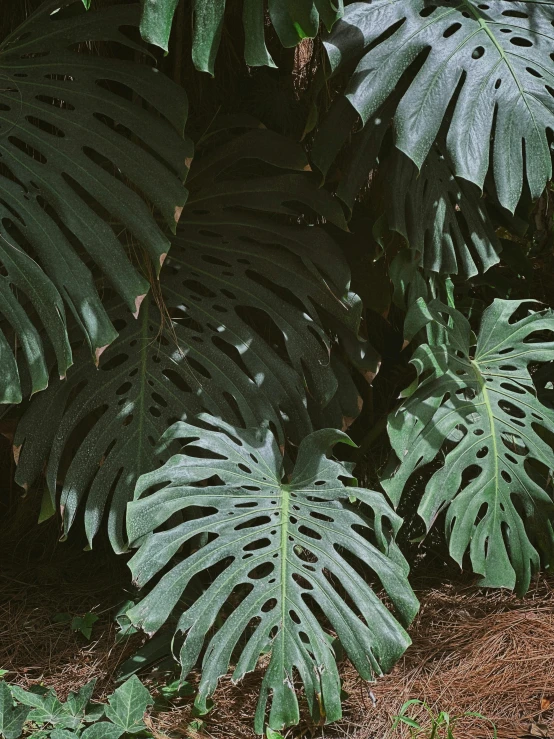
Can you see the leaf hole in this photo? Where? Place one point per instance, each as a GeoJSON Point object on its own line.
{"type": "Point", "coordinates": [321, 516]}
{"type": "Point", "coordinates": [514, 14]}
{"type": "Point", "coordinates": [199, 368]}
{"type": "Point", "coordinates": [177, 380]}
{"type": "Point", "coordinates": [451, 30]}
{"type": "Point", "coordinates": [302, 582]}
{"type": "Point", "coordinates": [253, 523]}
{"type": "Point", "coordinates": [46, 127]}
{"type": "Point", "coordinates": [261, 571]}
{"type": "Point", "coordinates": [519, 41]}
{"type": "Point", "coordinates": [269, 605]}
{"type": "Point", "coordinates": [309, 532]}
{"type": "Point", "coordinates": [28, 150]}
{"type": "Point", "coordinates": [199, 288]}
{"type": "Point", "coordinates": [211, 234]}
{"type": "Point", "coordinates": [114, 362]}
{"type": "Point", "coordinates": [57, 102]}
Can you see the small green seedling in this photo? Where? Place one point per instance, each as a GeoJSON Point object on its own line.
{"type": "Point", "coordinates": [440, 725]}
{"type": "Point", "coordinates": [83, 624]}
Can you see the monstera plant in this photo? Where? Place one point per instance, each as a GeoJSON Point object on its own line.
{"type": "Point", "coordinates": [79, 153]}
{"type": "Point", "coordinates": [293, 20]}
{"type": "Point", "coordinates": [233, 329]}
{"type": "Point", "coordinates": [204, 360]}
{"type": "Point", "coordinates": [288, 543]}
{"type": "Point", "coordinates": [476, 403]}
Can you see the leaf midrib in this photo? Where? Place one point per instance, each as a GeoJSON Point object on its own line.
{"type": "Point", "coordinates": [285, 498]}
{"type": "Point", "coordinates": [490, 417]}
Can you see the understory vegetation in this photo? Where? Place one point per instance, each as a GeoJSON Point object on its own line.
{"type": "Point", "coordinates": [276, 328]}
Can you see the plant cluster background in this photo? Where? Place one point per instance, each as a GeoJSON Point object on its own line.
{"type": "Point", "coordinates": [276, 321]}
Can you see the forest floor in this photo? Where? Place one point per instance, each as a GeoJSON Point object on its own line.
{"type": "Point", "coordinates": [473, 650]}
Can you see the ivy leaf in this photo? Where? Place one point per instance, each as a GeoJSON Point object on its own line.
{"type": "Point", "coordinates": [128, 704]}
{"type": "Point", "coordinates": [490, 61]}
{"type": "Point", "coordinates": [284, 551]}
{"type": "Point", "coordinates": [46, 709]}
{"type": "Point", "coordinates": [12, 717]}
{"type": "Point", "coordinates": [102, 730]}
{"type": "Point", "coordinates": [84, 624]}
{"type": "Point", "coordinates": [477, 410]}
{"type": "Point", "coordinates": [77, 704]}
{"type": "Point", "coordinates": [70, 139]}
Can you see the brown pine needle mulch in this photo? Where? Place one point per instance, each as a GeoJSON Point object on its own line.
{"type": "Point", "coordinates": [473, 650]}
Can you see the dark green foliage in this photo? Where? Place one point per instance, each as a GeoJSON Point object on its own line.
{"type": "Point", "coordinates": [239, 335]}
{"type": "Point", "coordinates": [293, 20]}
{"type": "Point", "coordinates": [12, 717]}
{"type": "Point", "coordinates": [443, 219]}
{"type": "Point", "coordinates": [75, 718]}
{"type": "Point", "coordinates": [70, 137]}
{"type": "Point", "coordinates": [429, 123]}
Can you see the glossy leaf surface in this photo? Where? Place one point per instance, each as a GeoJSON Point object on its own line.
{"type": "Point", "coordinates": [489, 61]}
{"type": "Point", "coordinates": [290, 553]}
{"type": "Point", "coordinates": [476, 410]}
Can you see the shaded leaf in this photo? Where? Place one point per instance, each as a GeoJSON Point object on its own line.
{"type": "Point", "coordinates": [70, 138]}
{"type": "Point", "coordinates": [249, 292]}
{"type": "Point", "coordinates": [293, 20]}
{"type": "Point", "coordinates": [443, 219]}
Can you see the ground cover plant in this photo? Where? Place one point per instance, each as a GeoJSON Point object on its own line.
{"type": "Point", "coordinates": [310, 226]}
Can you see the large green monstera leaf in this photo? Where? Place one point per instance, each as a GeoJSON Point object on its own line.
{"type": "Point", "coordinates": [290, 559]}
{"type": "Point", "coordinates": [237, 330]}
{"type": "Point", "coordinates": [293, 21]}
{"type": "Point", "coordinates": [490, 61]}
{"type": "Point", "coordinates": [478, 412]}
{"type": "Point", "coordinates": [70, 140]}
